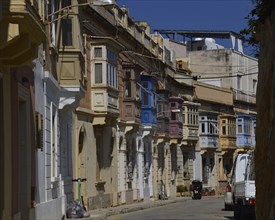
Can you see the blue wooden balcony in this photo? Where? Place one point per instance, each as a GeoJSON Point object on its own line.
{"type": "Point", "coordinates": [148, 97]}
{"type": "Point", "coordinates": [243, 130]}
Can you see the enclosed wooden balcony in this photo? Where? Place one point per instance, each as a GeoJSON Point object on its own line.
{"type": "Point", "coordinates": [190, 118]}
{"type": "Point", "coordinates": [131, 94]}
{"type": "Point", "coordinates": [243, 130]}
{"type": "Point", "coordinates": [209, 136]}
{"type": "Point", "coordinates": [21, 31]}
{"type": "Point", "coordinates": [175, 124]}
{"type": "Point", "coordinates": [104, 80]}
{"type": "Point", "coordinates": [227, 132]}
{"type": "Point", "coordinates": [163, 113]}
{"type": "Point", "coordinates": [148, 97]}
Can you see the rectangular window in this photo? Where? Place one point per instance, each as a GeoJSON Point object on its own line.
{"type": "Point", "coordinates": [223, 130]}
{"type": "Point", "coordinates": [67, 32]}
{"type": "Point", "coordinates": [239, 82]}
{"type": "Point", "coordinates": [98, 73]}
{"type": "Point", "coordinates": [159, 108]}
{"type": "Point", "coordinates": [173, 116]}
{"type": "Point", "coordinates": [108, 73]}
{"type": "Point", "coordinates": [146, 98]}
{"type": "Point", "coordinates": [202, 128]}
{"type": "Point", "coordinates": [145, 94]}
{"type": "Point", "coordinates": [246, 129]}
{"type": "Point", "coordinates": [112, 76]}
{"type": "Point", "coordinates": [240, 129]}
{"type": "Point", "coordinates": [128, 88]}
{"type": "Point", "coordinates": [230, 130]}
{"type": "Point", "coordinates": [210, 128]}
{"type": "Point", "coordinates": [116, 77]}
{"type": "Point", "coordinates": [98, 52]}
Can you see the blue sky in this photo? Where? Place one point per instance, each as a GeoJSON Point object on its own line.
{"type": "Point", "coordinates": [226, 15]}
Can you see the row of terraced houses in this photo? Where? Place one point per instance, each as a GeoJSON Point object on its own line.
{"type": "Point", "coordinates": [88, 92]}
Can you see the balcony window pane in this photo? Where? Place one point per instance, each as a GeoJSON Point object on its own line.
{"type": "Point", "coordinates": [127, 84]}
{"type": "Point", "coordinates": [115, 72]}
{"type": "Point", "coordinates": [159, 108]}
{"type": "Point", "coordinates": [173, 116]}
{"type": "Point", "coordinates": [67, 38]}
{"type": "Point", "coordinates": [238, 82]}
{"type": "Point", "coordinates": [145, 98]}
{"type": "Point", "coordinates": [98, 73]}
{"type": "Point", "coordinates": [240, 129]}
{"type": "Point", "coordinates": [98, 52]}
{"type": "Point", "coordinates": [128, 89]}
{"type": "Point", "coordinates": [202, 128]}
{"type": "Point", "coordinates": [109, 74]}
{"type": "Point", "coordinates": [224, 130]}
{"type": "Point", "coordinates": [145, 94]}
{"type": "Point", "coordinates": [113, 76]}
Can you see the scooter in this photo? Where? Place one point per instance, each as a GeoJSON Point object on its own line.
{"type": "Point", "coordinates": [77, 209]}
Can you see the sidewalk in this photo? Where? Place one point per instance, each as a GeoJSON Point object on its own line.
{"type": "Point", "coordinates": [101, 214]}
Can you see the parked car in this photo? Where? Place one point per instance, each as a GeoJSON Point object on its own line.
{"type": "Point", "coordinates": [228, 200]}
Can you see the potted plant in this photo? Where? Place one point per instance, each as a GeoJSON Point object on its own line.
{"type": "Point", "coordinates": [212, 192]}
{"type": "Point", "coordinates": [180, 189]}
{"type": "Point", "coordinates": [205, 192]}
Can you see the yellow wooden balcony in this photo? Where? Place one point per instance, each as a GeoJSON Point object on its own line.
{"type": "Point", "coordinates": [21, 31]}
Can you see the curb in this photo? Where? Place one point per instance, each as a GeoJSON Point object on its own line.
{"type": "Point", "coordinates": [122, 210]}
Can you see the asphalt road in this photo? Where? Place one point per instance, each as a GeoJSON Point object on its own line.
{"type": "Point", "coordinates": [208, 208]}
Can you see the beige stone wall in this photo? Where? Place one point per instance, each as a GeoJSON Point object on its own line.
{"type": "Point", "coordinates": [265, 148]}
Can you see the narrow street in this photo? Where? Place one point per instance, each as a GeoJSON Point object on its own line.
{"type": "Point", "coordinates": [208, 208]}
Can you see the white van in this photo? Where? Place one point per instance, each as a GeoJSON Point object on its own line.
{"type": "Point", "coordinates": [239, 167]}
{"type": "Point", "coordinates": [238, 175]}
{"type": "Point", "coordinates": [244, 190]}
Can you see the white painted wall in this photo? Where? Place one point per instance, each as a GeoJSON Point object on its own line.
{"type": "Point", "coordinates": [49, 198]}
{"type": "Point", "coordinates": [247, 67]}
{"type": "Point", "coordinates": [197, 166]}
{"type": "Point", "coordinates": [140, 162]}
